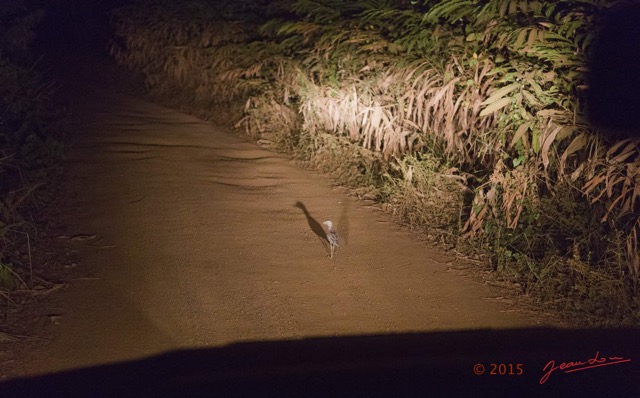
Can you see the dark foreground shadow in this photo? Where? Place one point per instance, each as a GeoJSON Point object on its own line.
{"type": "Point", "coordinates": [589, 363]}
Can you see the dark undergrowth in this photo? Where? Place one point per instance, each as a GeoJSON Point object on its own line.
{"type": "Point", "coordinates": [32, 150]}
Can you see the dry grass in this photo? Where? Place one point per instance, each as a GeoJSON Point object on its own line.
{"type": "Point", "coordinates": [426, 195]}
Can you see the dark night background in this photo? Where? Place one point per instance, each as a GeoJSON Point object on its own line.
{"type": "Point", "coordinates": [615, 72]}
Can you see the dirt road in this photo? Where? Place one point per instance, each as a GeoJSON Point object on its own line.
{"type": "Point", "coordinates": [193, 237]}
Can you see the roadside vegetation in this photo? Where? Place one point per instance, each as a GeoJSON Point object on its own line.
{"type": "Point", "coordinates": [465, 118]}
{"type": "Point", "coordinates": [31, 149]}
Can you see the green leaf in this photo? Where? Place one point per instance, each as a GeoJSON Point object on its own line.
{"type": "Point", "coordinates": [535, 140]}
{"type": "Point", "coordinates": [517, 161]}
{"type": "Point", "coordinates": [473, 37]}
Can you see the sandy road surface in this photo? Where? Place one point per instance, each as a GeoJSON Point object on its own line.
{"type": "Point", "coordinates": [203, 239]}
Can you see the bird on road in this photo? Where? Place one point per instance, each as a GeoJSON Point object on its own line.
{"type": "Point", "coordinates": [332, 237]}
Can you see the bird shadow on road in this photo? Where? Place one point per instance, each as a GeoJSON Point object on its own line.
{"type": "Point", "coordinates": [315, 226]}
